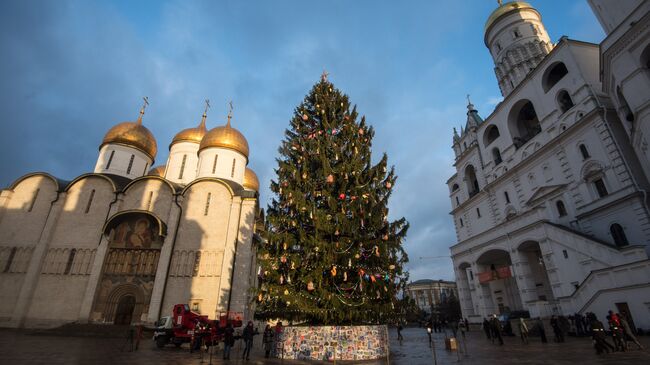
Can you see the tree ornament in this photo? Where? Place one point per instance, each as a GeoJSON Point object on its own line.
{"type": "Point", "coordinates": [305, 117]}
{"type": "Point", "coordinates": [336, 233]}
{"type": "Point", "coordinates": [259, 297]}
{"type": "Point", "coordinates": [333, 271]}
{"type": "Point", "coordinates": [304, 175]}
{"type": "Point", "coordinates": [286, 291]}
{"type": "Point", "coordinates": [345, 276]}
{"type": "Point", "coordinates": [281, 279]}
{"type": "Point", "coordinates": [342, 196]}
{"type": "Point", "coordinates": [310, 286]}
{"type": "Point", "coordinates": [385, 237]}
{"type": "Point", "coordinates": [330, 179]}
{"type": "Point", "coordinates": [388, 185]}
{"type": "Point", "coordinates": [349, 262]}
{"type": "Point", "coordinates": [391, 267]}
{"type": "Point", "coordinates": [293, 265]}
{"type": "Point", "coordinates": [361, 131]}
{"type": "Point", "coordinates": [288, 279]}
{"type": "Point", "coordinates": [376, 251]}
{"type": "Point", "coordinates": [283, 259]}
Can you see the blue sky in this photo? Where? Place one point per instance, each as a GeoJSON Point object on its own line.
{"type": "Point", "coordinates": [72, 69]}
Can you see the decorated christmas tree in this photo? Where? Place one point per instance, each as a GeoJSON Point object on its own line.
{"type": "Point", "coordinates": [330, 255]}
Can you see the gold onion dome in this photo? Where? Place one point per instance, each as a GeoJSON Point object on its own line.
{"type": "Point", "coordinates": [504, 9]}
{"type": "Point", "coordinates": [157, 171]}
{"type": "Point", "coordinates": [225, 137]}
{"type": "Point", "coordinates": [250, 180]}
{"type": "Point", "coordinates": [133, 134]}
{"type": "Point", "coordinates": [194, 135]}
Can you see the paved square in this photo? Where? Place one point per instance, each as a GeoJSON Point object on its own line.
{"type": "Point", "coordinates": [22, 347]}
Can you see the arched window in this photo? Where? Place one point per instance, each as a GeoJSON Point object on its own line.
{"type": "Point", "coordinates": [645, 58]}
{"type": "Point", "coordinates": [564, 100]}
{"type": "Point", "coordinates": [561, 209]}
{"type": "Point", "coordinates": [523, 123]}
{"type": "Point", "coordinates": [554, 74]}
{"type": "Point", "coordinates": [496, 156]}
{"type": "Point", "coordinates": [454, 187]}
{"type": "Point", "coordinates": [457, 201]}
{"type": "Point", "coordinates": [10, 260]}
{"type": "Point", "coordinates": [618, 234]}
{"type": "Point", "coordinates": [471, 180]}
{"type": "Point", "coordinates": [491, 133]}
{"type": "Point", "coordinates": [624, 108]}
{"type": "Point", "coordinates": [584, 152]}
{"type": "Point", "coordinates": [68, 265]}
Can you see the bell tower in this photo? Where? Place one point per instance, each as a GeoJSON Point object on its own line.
{"type": "Point", "coordinates": [517, 40]}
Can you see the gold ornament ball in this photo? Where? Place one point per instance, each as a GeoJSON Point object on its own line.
{"type": "Point", "coordinates": [305, 117]}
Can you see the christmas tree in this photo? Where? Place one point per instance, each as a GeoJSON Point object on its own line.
{"type": "Point", "coordinates": [330, 255]}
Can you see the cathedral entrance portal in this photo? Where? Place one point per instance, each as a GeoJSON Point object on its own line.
{"type": "Point", "coordinates": [125, 308]}
{"type": "Point", "coordinates": [498, 286]}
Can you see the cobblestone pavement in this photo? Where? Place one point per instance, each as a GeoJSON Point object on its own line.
{"type": "Point", "coordinates": [21, 347]}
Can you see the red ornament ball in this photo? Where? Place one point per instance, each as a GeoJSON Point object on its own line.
{"type": "Point", "coordinates": [342, 196]}
{"type": "Point", "coordinates": [388, 185]}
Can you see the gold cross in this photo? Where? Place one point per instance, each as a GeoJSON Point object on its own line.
{"type": "Point", "coordinates": [144, 106]}
{"type": "Point", "coordinates": [230, 111]}
{"type": "Point", "coordinates": [500, 2]}
{"type": "Point", "coordinates": [207, 106]}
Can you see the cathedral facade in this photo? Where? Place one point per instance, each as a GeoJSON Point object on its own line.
{"type": "Point", "coordinates": [550, 195]}
{"type": "Point", "coordinates": [125, 243]}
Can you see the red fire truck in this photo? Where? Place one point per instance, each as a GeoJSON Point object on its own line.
{"type": "Point", "coordinates": [184, 324]}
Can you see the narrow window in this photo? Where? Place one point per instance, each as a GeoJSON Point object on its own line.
{"type": "Point", "coordinates": [207, 204]}
{"type": "Point", "coordinates": [31, 205]}
{"type": "Point", "coordinates": [90, 201]}
{"type": "Point", "coordinates": [146, 166]}
{"type": "Point", "coordinates": [214, 163]}
{"type": "Point", "coordinates": [197, 263]}
{"type": "Point", "coordinates": [110, 159]}
{"type": "Point", "coordinates": [566, 254]}
{"type": "Point", "coordinates": [584, 152]}
{"type": "Point", "coordinates": [10, 260]}
{"type": "Point", "coordinates": [618, 234]}
{"type": "Point", "coordinates": [128, 169]}
{"type": "Point", "coordinates": [68, 265]}
{"type": "Point", "coordinates": [180, 174]}
{"type": "Point", "coordinates": [498, 47]}
{"type": "Point", "coordinates": [496, 155]}
{"type": "Point", "coordinates": [601, 189]}
{"type": "Point", "coordinates": [516, 33]}
{"type": "Point", "coordinates": [505, 193]}
{"type": "Point", "coordinates": [149, 199]}
{"type": "Point", "coordinates": [478, 213]}
{"type": "Point", "coordinates": [457, 201]}
{"type": "Point", "coordinates": [561, 209]}
{"type": "Point", "coordinates": [232, 171]}
{"type": "Point", "coordinates": [471, 275]}
{"type": "Point", "coordinates": [461, 223]}
{"type": "Point", "coordinates": [565, 101]}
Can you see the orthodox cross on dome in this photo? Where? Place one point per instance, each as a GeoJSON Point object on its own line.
{"type": "Point", "coordinates": [500, 2]}
{"type": "Point", "coordinates": [230, 112]}
{"type": "Point", "coordinates": [470, 106]}
{"type": "Point", "coordinates": [144, 106]}
{"type": "Point", "coordinates": [205, 113]}
{"type": "Point", "coordinates": [323, 76]}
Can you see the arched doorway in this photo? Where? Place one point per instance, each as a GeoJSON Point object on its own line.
{"type": "Point", "coordinates": [498, 285]}
{"type": "Point", "coordinates": [124, 311]}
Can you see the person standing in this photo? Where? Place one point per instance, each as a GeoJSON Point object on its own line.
{"type": "Point", "coordinates": [277, 339]}
{"type": "Point", "coordinates": [466, 325]}
{"type": "Point", "coordinates": [617, 333]}
{"type": "Point", "coordinates": [627, 331]}
{"type": "Point", "coordinates": [598, 335]}
{"type": "Point", "coordinates": [495, 326]}
{"type": "Point", "coordinates": [557, 331]}
{"type": "Point", "coordinates": [248, 335]}
{"type": "Point", "coordinates": [523, 330]}
{"type": "Point", "coordinates": [228, 341]}
{"type": "Point", "coordinates": [486, 328]}
{"type": "Point", "coordinates": [400, 338]}
{"type": "Point", "coordinates": [267, 339]}
{"type": "Point", "coordinates": [542, 331]}
{"type": "Point", "coordinates": [429, 332]}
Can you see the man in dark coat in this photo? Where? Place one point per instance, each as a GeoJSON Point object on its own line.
{"type": "Point", "coordinates": [598, 335]}
{"type": "Point", "coordinates": [495, 326]}
{"type": "Point", "coordinates": [228, 341]}
{"type": "Point", "coordinates": [486, 328]}
{"type": "Point", "coordinates": [247, 336]}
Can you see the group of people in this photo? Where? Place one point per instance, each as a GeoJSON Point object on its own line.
{"type": "Point", "coordinates": [620, 329]}
{"type": "Point", "coordinates": [229, 337]}
{"type": "Point", "coordinates": [618, 326]}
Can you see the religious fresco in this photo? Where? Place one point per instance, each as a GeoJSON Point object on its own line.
{"type": "Point", "coordinates": [333, 342]}
{"type": "Point", "coordinates": [136, 231]}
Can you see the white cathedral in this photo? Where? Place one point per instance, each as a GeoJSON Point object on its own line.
{"type": "Point", "coordinates": [550, 196]}
{"type": "Point", "coordinates": [126, 242]}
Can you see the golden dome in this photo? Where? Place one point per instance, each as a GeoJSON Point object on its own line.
{"type": "Point", "coordinates": [250, 180]}
{"type": "Point", "coordinates": [506, 9]}
{"type": "Point", "coordinates": [225, 137]}
{"type": "Point", "coordinates": [194, 135]}
{"type": "Point", "coordinates": [132, 134]}
{"type": "Point", "coordinates": [157, 171]}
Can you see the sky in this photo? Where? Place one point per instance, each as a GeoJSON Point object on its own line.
{"type": "Point", "coordinates": [71, 69]}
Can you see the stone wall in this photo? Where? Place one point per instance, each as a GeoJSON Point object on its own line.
{"type": "Point", "coordinates": [333, 342]}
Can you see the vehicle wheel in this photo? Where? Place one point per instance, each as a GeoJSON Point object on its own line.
{"type": "Point", "coordinates": [161, 341]}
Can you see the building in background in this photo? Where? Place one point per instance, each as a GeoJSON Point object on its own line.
{"type": "Point", "coordinates": [125, 243]}
{"type": "Point", "coordinates": [429, 294]}
{"type": "Point", "coordinates": [550, 194]}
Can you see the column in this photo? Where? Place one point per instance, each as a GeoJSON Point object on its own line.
{"type": "Point", "coordinates": [164, 261]}
{"type": "Point", "coordinates": [241, 282]}
{"type": "Point", "coordinates": [229, 254]}
{"type": "Point", "coordinates": [35, 263]}
{"type": "Point", "coordinates": [96, 271]}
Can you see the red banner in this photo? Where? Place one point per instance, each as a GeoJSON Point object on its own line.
{"type": "Point", "coordinates": [499, 273]}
